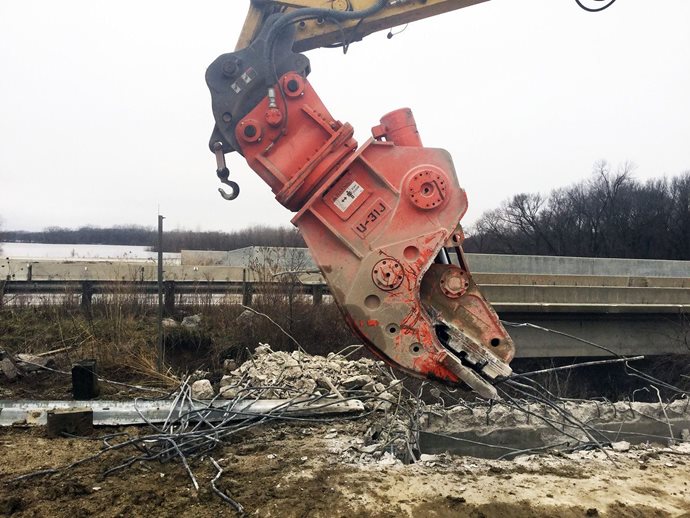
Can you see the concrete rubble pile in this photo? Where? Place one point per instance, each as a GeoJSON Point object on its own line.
{"type": "Point", "coordinates": [385, 438]}
{"type": "Point", "coordinates": [288, 375]}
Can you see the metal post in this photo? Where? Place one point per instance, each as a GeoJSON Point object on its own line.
{"type": "Point", "coordinates": [161, 345]}
{"type": "Point", "coordinates": [317, 294]}
{"type": "Point", "coordinates": [86, 295]}
{"type": "Point", "coordinates": [247, 294]}
{"type": "Point", "coordinates": [247, 291]}
{"type": "Point", "coordinates": [169, 297]}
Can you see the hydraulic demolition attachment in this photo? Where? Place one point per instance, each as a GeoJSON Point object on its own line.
{"type": "Point", "coordinates": [381, 220]}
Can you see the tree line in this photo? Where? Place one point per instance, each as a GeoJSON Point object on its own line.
{"type": "Point", "coordinates": [611, 214]}
{"type": "Point", "coordinates": [173, 240]}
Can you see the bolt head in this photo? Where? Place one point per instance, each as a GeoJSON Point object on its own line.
{"type": "Point", "coordinates": [231, 66]}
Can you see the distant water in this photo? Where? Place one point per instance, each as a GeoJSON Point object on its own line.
{"type": "Point", "coordinates": [77, 252]}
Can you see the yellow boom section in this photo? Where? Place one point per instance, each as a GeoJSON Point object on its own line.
{"type": "Point", "coordinates": [311, 34]}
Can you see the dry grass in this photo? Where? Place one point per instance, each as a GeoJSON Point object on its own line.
{"type": "Point", "coordinates": [120, 332]}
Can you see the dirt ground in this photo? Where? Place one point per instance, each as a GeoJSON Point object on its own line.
{"type": "Point", "coordinates": [320, 470]}
{"type": "Point", "coordinates": [301, 470]}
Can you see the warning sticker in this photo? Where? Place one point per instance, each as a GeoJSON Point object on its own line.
{"type": "Point", "coordinates": [246, 78]}
{"type": "Point", "coordinates": [348, 196]}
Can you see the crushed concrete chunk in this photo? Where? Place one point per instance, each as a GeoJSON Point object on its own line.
{"type": "Point", "coordinates": [620, 446]}
{"type": "Point", "coordinates": [169, 323]}
{"type": "Point", "coordinates": [395, 386]}
{"type": "Point", "coordinates": [7, 368]}
{"type": "Point", "coordinates": [684, 447]}
{"type": "Point", "coordinates": [287, 361]}
{"type": "Point", "coordinates": [388, 459]}
{"type": "Point", "coordinates": [369, 387]}
{"type": "Point", "coordinates": [262, 350]}
{"type": "Point", "coordinates": [229, 366]}
{"type": "Point", "coordinates": [191, 321]}
{"type": "Point", "coordinates": [305, 385]}
{"type": "Point", "coordinates": [356, 382]}
{"type": "Point", "coordinates": [385, 402]}
{"type": "Point", "coordinates": [229, 392]}
{"type": "Point", "coordinates": [246, 319]}
{"type": "Point", "coordinates": [202, 389]}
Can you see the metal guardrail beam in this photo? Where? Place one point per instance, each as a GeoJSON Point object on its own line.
{"type": "Point", "coordinates": [578, 298]}
{"type": "Point", "coordinates": [172, 289]}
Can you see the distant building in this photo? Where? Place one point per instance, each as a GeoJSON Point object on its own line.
{"type": "Point", "coordinates": [275, 259]}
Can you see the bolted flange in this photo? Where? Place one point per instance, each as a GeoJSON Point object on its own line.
{"type": "Point", "coordinates": [427, 188]}
{"type": "Point", "coordinates": [249, 130]}
{"type": "Point", "coordinates": [293, 85]}
{"type": "Point", "coordinates": [387, 274]}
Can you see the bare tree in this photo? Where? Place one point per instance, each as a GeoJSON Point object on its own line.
{"type": "Point", "coordinates": [609, 215]}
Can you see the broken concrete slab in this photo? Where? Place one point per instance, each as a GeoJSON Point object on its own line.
{"type": "Point", "coordinates": [34, 363]}
{"type": "Point", "coordinates": [476, 430]}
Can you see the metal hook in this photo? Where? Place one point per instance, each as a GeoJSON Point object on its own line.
{"type": "Point", "coordinates": [235, 191]}
{"type": "Point", "coordinates": [223, 174]}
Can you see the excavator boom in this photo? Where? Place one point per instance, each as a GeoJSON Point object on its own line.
{"type": "Point", "coordinates": [318, 32]}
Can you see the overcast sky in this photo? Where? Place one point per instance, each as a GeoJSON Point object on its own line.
{"type": "Point", "coordinates": [105, 115]}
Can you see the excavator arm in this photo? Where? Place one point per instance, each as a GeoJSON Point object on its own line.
{"type": "Point", "coordinates": [381, 219]}
{"type": "Point", "coordinates": [318, 32]}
